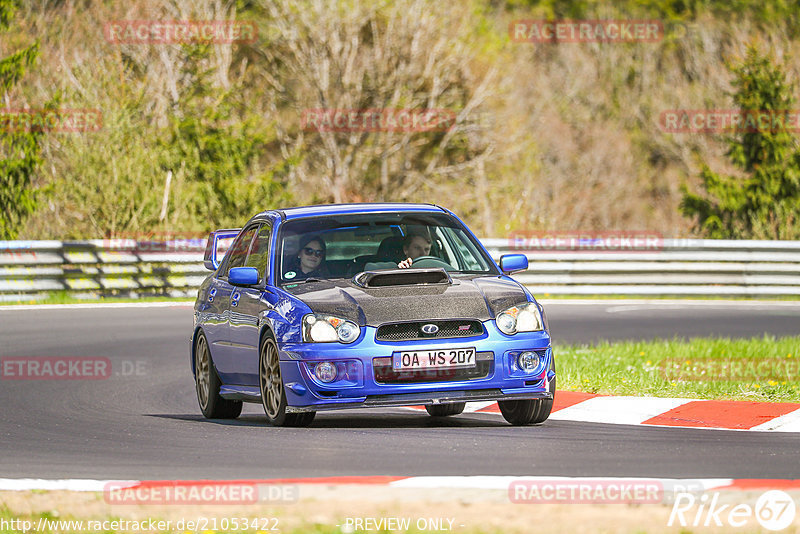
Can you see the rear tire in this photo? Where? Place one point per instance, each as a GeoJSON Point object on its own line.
{"type": "Point", "coordinates": [207, 385]}
{"type": "Point", "coordinates": [445, 410]}
{"type": "Point", "coordinates": [273, 394]}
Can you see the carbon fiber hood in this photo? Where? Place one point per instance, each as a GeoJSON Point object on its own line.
{"type": "Point", "coordinates": [479, 298]}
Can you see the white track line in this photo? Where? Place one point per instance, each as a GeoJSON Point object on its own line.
{"type": "Point", "coordinates": [617, 410]}
{"type": "Point", "coordinates": [69, 484]}
{"type": "Point", "coordinates": [789, 422]}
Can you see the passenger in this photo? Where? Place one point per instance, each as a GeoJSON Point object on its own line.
{"type": "Point", "coordinates": [415, 246]}
{"type": "Point", "coordinates": [310, 260]}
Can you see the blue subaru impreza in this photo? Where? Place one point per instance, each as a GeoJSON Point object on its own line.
{"type": "Point", "coordinates": [366, 305]}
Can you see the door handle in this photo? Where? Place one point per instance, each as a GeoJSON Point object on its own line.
{"type": "Point", "coordinates": [235, 298]}
{"type": "Point", "coordinates": [211, 294]}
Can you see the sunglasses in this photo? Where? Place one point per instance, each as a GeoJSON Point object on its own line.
{"type": "Point", "coordinates": [308, 251]}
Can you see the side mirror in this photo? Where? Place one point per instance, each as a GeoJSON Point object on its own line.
{"type": "Point", "coordinates": [243, 276]}
{"type": "Point", "coordinates": [511, 263]}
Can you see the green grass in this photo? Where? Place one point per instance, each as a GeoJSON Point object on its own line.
{"type": "Point", "coordinates": [760, 369]}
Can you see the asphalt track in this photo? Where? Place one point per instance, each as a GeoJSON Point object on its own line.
{"type": "Point", "coordinates": [143, 422]}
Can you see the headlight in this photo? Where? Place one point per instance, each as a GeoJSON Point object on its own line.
{"type": "Point", "coordinates": [320, 328]}
{"type": "Point", "coordinates": [522, 318]}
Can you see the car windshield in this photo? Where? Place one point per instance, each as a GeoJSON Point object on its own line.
{"type": "Point", "coordinates": [343, 245]}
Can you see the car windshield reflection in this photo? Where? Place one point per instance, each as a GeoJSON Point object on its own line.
{"type": "Point", "coordinates": [328, 248]}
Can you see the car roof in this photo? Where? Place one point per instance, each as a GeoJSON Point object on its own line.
{"type": "Point", "coordinates": [365, 207]}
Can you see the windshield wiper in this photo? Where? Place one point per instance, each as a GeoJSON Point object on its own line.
{"type": "Point", "coordinates": [294, 283]}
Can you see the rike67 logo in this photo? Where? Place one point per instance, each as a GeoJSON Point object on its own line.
{"type": "Point", "coordinates": [774, 510]}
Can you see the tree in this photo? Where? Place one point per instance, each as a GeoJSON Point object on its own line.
{"type": "Point", "coordinates": [218, 142]}
{"type": "Point", "coordinates": [19, 149]}
{"type": "Point", "coordinates": [764, 203]}
{"type": "Point", "coordinates": [343, 59]}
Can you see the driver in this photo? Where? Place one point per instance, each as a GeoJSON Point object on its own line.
{"type": "Point", "coordinates": [415, 246]}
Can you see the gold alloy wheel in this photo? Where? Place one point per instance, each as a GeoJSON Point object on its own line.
{"type": "Point", "coordinates": [270, 380]}
{"type": "Point", "coordinates": [202, 371]}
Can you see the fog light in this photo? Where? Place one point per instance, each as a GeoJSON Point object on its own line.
{"type": "Point", "coordinates": [325, 372]}
{"type": "Point", "coordinates": [528, 361]}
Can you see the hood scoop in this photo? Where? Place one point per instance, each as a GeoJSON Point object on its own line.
{"type": "Point", "coordinates": [402, 277]}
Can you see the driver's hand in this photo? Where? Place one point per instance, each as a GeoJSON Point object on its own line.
{"type": "Point", "coordinates": [406, 263]}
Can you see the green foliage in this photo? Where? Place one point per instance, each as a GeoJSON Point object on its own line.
{"type": "Point", "coordinates": [218, 146]}
{"type": "Point", "coordinates": [765, 202]}
{"type": "Point", "coordinates": [226, 183]}
{"type": "Point", "coordinates": [7, 10]}
{"type": "Point", "coordinates": [19, 150]}
{"type": "Point", "coordinates": [183, 161]}
{"type": "Point", "coordinates": [13, 67]}
{"type": "Point", "coordinates": [121, 184]}
{"type": "Point", "coordinates": [200, 137]}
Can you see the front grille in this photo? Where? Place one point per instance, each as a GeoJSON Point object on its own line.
{"type": "Point", "coordinates": [385, 374]}
{"type": "Point", "coordinates": [413, 330]}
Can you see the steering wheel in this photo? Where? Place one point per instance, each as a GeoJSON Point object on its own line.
{"type": "Point", "coordinates": [431, 261]}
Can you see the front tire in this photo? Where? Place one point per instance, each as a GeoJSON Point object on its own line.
{"type": "Point", "coordinates": [207, 385]}
{"type": "Point", "coordinates": [273, 394]}
{"type": "Point", "coordinates": [445, 410]}
{"type": "Point", "coordinates": [529, 412]}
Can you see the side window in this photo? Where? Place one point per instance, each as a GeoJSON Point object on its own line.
{"type": "Point", "coordinates": [259, 252]}
{"type": "Point", "coordinates": [238, 251]}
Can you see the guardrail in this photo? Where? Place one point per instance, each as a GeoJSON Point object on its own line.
{"type": "Point", "coordinates": [706, 267]}
{"type": "Point", "coordinates": [32, 270]}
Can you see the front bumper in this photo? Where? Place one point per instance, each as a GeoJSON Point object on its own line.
{"type": "Point", "coordinates": [409, 399]}
{"type": "Point", "coordinates": [362, 381]}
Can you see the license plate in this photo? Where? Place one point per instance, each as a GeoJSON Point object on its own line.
{"type": "Point", "coordinates": [434, 359]}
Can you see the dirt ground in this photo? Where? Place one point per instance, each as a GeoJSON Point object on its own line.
{"type": "Point", "coordinates": [367, 508]}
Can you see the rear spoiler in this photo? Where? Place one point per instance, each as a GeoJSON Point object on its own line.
{"type": "Point", "coordinates": [210, 260]}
